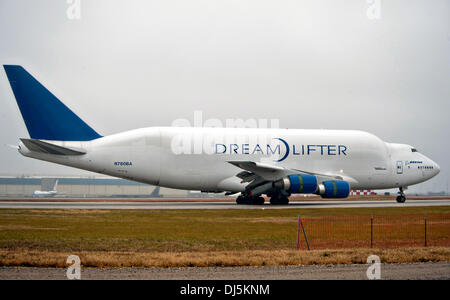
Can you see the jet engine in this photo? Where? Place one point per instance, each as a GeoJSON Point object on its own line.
{"type": "Point", "coordinates": [334, 189]}
{"type": "Point", "coordinates": [298, 184]}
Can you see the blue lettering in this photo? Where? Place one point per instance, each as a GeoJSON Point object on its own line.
{"type": "Point", "coordinates": [236, 147]}
{"type": "Point", "coordinates": [270, 149]}
{"type": "Point", "coordinates": [257, 148]}
{"type": "Point", "coordinates": [224, 149]}
{"type": "Point", "coordinates": [331, 149]}
{"type": "Point", "coordinates": [310, 149]}
{"type": "Point", "coordinates": [321, 149]}
{"type": "Point", "coordinates": [245, 149]}
{"type": "Point", "coordinates": [343, 150]}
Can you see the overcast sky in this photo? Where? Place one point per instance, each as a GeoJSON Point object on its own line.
{"type": "Point", "coordinates": [378, 66]}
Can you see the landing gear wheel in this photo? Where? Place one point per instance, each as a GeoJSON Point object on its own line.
{"type": "Point", "coordinates": [240, 200]}
{"type": "Point", "coordinates": [249, 200]}
{"type": "Point", "coordinates": [279, 200]}
{"type": "Point", "coordinates": [258, 200]}
{"type": "Point", "coordinates": [284, 200]}
{"type": "Point", "coordinates": [401, 198]}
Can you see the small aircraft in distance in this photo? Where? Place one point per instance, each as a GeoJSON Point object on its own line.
{"type": "Point", "coordinates": [47, 193]}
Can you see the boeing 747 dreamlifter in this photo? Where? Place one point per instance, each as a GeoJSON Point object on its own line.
{"type": "Point", "coordinates": [249, 161]}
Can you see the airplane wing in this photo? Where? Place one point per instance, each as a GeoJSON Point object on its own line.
{"type": "Point", "coordinates": [257, 169]}
{"type": "Point", "coordinates": [262, 174]}
{"type": "Point", "coordinates": [271, 172]}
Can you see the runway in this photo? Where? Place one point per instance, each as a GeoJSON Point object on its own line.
{"type": "Point", "coordinates": [416, 271]}
{"type": "Point", "coordinates": [218, 205]}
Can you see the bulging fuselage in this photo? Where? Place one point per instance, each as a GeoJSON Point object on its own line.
{"type": "Point", "coordinates": [198, 158]}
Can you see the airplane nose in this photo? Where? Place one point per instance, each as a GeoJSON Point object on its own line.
{"type": "Point", "coordinates": [437, 168]}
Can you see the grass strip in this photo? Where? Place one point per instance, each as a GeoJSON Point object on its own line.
{"type": "Point", "coordinates": [31, 258]}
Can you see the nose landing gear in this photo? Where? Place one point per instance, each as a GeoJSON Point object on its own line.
{"type": "Point", "coordinates": [401, 198]}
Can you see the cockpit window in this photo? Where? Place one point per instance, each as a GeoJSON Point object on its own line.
{"type": "Point", "coordinates": [414, 150]}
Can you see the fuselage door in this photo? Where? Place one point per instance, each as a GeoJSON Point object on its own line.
{"type": "Point", "coordinates": [399, 167]}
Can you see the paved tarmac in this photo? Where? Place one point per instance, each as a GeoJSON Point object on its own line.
{"type": "Point", "coordinates": [217, 205]}
{"type": "Point", "coordinates": [414, 271]}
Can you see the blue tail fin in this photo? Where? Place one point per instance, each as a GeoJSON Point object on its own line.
{"type": "Point", "coordinates": [45, 116]}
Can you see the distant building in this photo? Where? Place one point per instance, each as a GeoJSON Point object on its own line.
{"type": "Point", "coordinates": [441, 193]}
{"type": "Point", "coordinates": [84, 187]}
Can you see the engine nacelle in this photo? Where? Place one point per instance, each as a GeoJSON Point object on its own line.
{"type": "Point", "coordinates": [298, 184]}
{"type": "Point", "coordinates": [334, 189]}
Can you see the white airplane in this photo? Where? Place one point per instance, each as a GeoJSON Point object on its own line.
{"type": "Point", "coordinates": [49, 193]}
{"type": "Point", "coordinates": [252, 162]}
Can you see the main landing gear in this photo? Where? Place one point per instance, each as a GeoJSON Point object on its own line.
{"type": "Point", "coordinates": [247, 199]}
{"type": "Point", "coordinates": [275, 199]}
{"type": "Point", "coordinates": [279, 200]}
{"type": "Point", "coordinates": [401, 198]}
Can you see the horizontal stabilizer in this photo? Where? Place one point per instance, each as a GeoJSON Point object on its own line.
{"type": "Point", "coordinates": [44, 147]}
